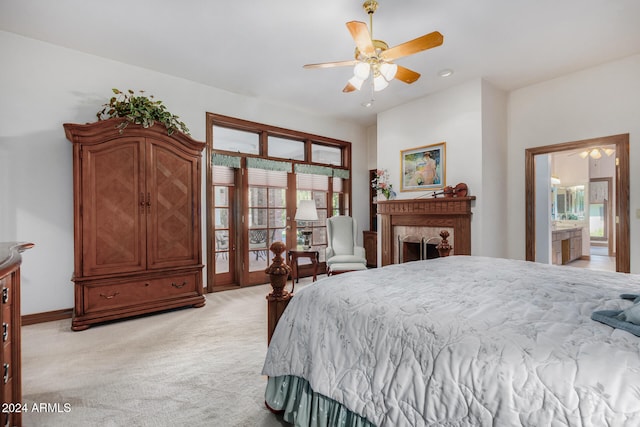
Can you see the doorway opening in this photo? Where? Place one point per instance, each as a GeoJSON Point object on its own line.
{"type": "Point", "coordinates": [537, 169]}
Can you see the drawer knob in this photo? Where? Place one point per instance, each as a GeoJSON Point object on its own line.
{"type": "Point", "coordinates": [5, 295]}
{"type": "Point", "coordinates": [112, 296]}
{"type": "Point", "coordinates": [175, 285]}
{"type": "Point", "coordinates": [5, 331]}
{"type": "Point", "coordinates": [6, 373]}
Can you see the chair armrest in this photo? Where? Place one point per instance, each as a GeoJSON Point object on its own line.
{"type": "Point", "coordinates": [359, 251]}
{"type": "Point", "coordinates": [329, 252]}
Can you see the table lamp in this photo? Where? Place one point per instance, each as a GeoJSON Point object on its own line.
{"type": "Point", "coordinates": [306, 213]}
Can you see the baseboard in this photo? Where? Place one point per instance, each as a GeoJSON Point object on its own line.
{"type": "Point", "coordinates": [49, 316]}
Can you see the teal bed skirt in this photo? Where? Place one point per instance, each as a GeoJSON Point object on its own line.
{"type": "Point", "coordinates": [302, 406]}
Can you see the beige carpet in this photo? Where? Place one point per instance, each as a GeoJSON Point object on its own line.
{"type": "Point", "coordinates": [188, 367]}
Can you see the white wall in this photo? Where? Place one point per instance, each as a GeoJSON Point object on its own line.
{"type": "Point", "coordinates": [471, 119]}
{"type": "Point", "coordinates": [44, 86]}
{"type": "Point", "coordinates": [372, 147]}
{"type": "Point", "coordinates": [596, 102]}
{"type": "Point", "coordinates": [492, 209]}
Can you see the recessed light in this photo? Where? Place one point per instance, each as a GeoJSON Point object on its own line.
{"type": "Point", "coordinates": [445, 73]}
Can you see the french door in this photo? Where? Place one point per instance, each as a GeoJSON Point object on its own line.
{"type": "Point", "coordinates": [265, 221]}
{"type": "Point", "coordinates": [222, 236]}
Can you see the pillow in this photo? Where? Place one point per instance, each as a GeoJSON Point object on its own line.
{"type": "Point", "coordinates": [631, 314]}
{"type": "Point", "coordinates": [634, 297]}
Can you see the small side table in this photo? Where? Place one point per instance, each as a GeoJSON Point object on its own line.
{"type": "Point", "coordinates": [314, 256]}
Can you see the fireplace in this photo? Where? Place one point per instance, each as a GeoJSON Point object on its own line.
{"type": "Point", "coordinates": [423, 219]}
{"type": "Point", "coordinates": [412, 248]}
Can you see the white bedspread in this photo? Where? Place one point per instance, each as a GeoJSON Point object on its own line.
{"type": "Point", "coordinates": [465, 341]}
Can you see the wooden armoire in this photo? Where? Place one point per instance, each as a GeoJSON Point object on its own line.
{"type": "Point", "coordinates": [137, 235]}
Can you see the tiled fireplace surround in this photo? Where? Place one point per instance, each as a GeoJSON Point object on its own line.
{"type": "Point", "coordinates": [417, 219]}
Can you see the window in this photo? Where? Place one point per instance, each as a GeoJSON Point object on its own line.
{"type": "Point", "coordinates": [326, 154]}
{"type": "Point", "coordinates": [256, 176]}
{"type": "Point", "coordinates": [286, 148]}
{"type": "Point", "coordinates": [238, 141]}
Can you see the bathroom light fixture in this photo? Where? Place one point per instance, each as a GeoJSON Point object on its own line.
{"type": "Point", "coordinates": [596, 153]}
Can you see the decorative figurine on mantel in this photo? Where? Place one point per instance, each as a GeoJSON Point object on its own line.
{"type": "Point", "coordinates": [444, 248]}
{"type": "Point", "coordinates": [278, 299]}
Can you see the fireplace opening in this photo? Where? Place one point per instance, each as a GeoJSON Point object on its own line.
{"type": "Point", "coordinates": [416, 249]}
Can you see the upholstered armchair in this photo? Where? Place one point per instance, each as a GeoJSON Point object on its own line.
{"type": "Point", "coordinates": [342, 253]}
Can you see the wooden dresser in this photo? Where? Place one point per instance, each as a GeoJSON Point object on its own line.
{"type": "Point", "coordinates": [137, 234]}
{"type": "Point", "coordinates": [11, 355]}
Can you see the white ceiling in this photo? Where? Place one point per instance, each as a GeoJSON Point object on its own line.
{"type": "Point", "coordinates": [258, 48]}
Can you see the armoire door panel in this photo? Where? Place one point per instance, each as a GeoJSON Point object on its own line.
{"type": "Point", "coordinates": [173, 220]}
{"type": "Point", "coordinates": [113, 210]}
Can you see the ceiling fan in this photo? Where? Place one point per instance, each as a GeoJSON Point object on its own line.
{"type": "Point", "coordinates": [374, 58]}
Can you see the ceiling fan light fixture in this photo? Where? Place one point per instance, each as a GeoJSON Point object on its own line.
{"type": "Point", "coordinates": [584, 154]}
{"type": "Point", "coordinates": [379, 83]}
{"type": "Point", "coordinates": [595, 154]}
{"type": "Point", "coordinates": [609, 151]}
{"type": "Point", "coordinates": [388, 70]}
{"type": "Point", "coordinates": [362, 70]}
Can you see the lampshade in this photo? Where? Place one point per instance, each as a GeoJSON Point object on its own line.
{"type": "Point", "coordinates": [306, 211]}
{"type": "Point", "coordinates": [388, 71]}
{"type": "Point", "coordinates": [361, 70]}
{"type": "Point", "coordinates": [356, 82]}
{"type": "Point", "coordinates": [379, 83]}
{"type": "Point", "coordinates": [596, 152]}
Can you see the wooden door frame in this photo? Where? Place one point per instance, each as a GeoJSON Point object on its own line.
{"type": "Point", "coordinates": [622, 226]}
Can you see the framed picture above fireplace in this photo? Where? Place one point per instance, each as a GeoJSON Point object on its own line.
{"type": "Point", "coordinates": [423, 168]}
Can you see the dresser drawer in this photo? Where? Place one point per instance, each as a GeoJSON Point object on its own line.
{"type": "Point", "coordinates": [175, 286]}
{"type": "Point", "coordinates": [98, 297]}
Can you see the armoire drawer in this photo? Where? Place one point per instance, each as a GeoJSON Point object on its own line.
{"type": "Point", "coordinates": [98, 297]}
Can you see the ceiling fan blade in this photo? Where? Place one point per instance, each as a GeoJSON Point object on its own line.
{"type": "Point", "coordinates": [406, 75]}
{"type": "Point", "coordinates": [425, 42]}
{"type": "Point", "coordinates": [361, 37]}
{"type": "Point", "coordinates": [331, 64]}
{"type": "Point", "coordinates": [349, 88]}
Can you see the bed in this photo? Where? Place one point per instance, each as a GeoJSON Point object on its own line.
{"type": "Point", "coordinates": [457, 341]}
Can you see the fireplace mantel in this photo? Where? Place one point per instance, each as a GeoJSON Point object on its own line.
{"type": "Point", "coordinates": [446, 212]}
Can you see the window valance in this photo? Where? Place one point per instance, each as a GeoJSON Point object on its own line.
{"type": "Point", "coordinates": [272, 165]}
{"type": "Point", "coordinates": [225, 160]}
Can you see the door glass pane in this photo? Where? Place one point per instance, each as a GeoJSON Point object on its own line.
{"type": "Point", "coordinates": [596, 220]}
{"type": "Point", "coordinates": [222, 196]}
{"type": "Point", "coordinates": [277, 218]}
{"type": "Point", "coordinates": [277, 197]}
{"type": "Point", "coordinates": [222, 217]}
{"type": "Point", "coordinates": [258, 218]}
{"type": "Point", "coordinates": [221, 248]}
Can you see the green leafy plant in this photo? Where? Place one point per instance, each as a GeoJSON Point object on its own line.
{"type": "Point", "coordinates": [140, 109]}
